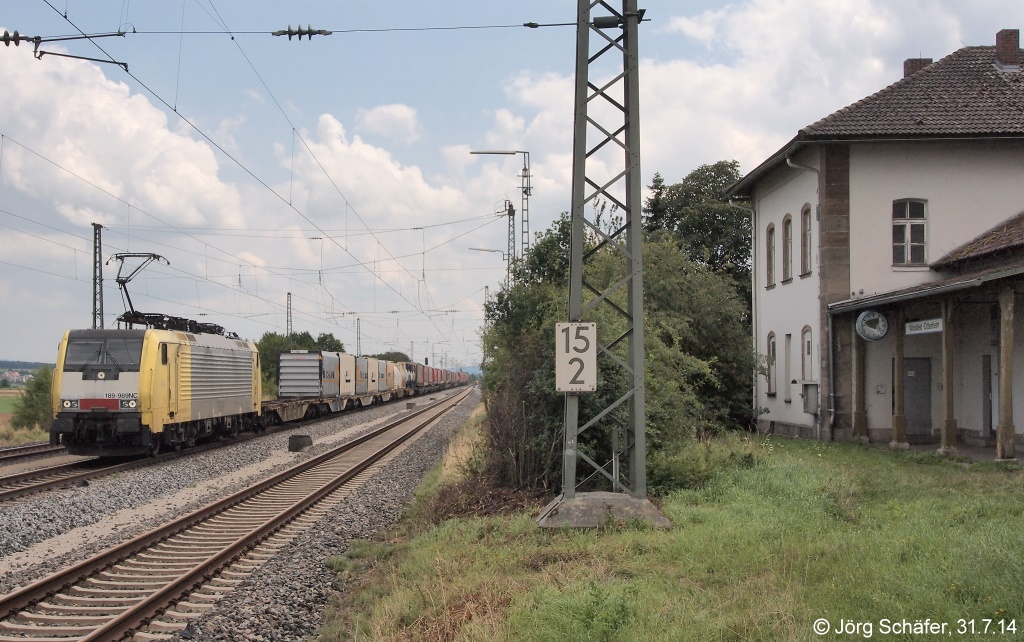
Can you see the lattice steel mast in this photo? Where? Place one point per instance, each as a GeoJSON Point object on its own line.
{"type": "Point", "coordinates": [97, 277]}
{"type": "Point", "coordinates": [610, 114]}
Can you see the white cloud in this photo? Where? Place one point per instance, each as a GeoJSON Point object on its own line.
{"type": "Point", "coordinates": [107, 138]}
{"type": "Point", "coordinates": [702, 28]}
{"type": "Point", "coordinates": [395, 122]}
{"type": "Point", "coordinates": [736, 81]}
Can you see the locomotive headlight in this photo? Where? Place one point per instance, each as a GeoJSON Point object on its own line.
{"type": "Point", "coordinates": [129, 403]}
{"type": "Point", "coordinates": [69, 403]}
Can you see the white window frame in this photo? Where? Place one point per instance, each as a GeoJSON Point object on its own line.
{"type": "Point", "coordinates": [909, 231]}
{"type": "Point", "coordinates": [787, 391]}
{"type": "Point", "coordinates": [787, 248]}
{"type": "Point", "coordinates": [806, 265]}
{"type": "Point", "coordinates": [806, 355]}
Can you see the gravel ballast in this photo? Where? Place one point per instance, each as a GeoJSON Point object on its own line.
{"type": "Point", "coordinates": [42, 533]}
{"type": "Point", "coordinates": [285, 598]}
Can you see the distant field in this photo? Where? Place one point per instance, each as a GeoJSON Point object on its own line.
{"type": "Point", "coordinates": [9, 436]}
{"type": "Point", "coordinates": [7, 403]}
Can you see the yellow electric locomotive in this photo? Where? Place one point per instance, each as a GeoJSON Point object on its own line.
{"type": "Point", "coordinates": [136, 391]}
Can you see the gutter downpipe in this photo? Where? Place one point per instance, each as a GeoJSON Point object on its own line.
{"type": "Point", "coordinates": [831, 342]}
{"type": "Point", "coordinates": [753, 297]}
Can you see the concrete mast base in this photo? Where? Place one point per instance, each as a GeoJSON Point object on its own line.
{"type": "Point", "coordinates": [598, 509]}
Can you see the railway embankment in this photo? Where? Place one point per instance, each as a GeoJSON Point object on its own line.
{"type": "Point", "coordinates": [774, 546]}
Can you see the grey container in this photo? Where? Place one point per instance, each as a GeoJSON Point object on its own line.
{"type": "Point", "coordinates": [308, 374]}
{"type": "Point", "coordinates": [362, 375]}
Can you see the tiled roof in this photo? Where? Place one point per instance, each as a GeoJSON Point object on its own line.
{"type": "Point", "coordinates": [1008, 235]}
{"type": "Point", "coordinates": [962, 94]}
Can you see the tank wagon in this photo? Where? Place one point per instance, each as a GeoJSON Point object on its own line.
{"type": "Point", "coordinates": [134, 392]}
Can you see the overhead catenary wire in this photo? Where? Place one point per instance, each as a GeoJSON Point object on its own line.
{"type": "Point", "coordinates": [365, 264]}
{"type": "Point", "coordinates": [235, 258]}
{"type": "Point", "coordinates": [195, 277]}
{"type": "Point", "coordinates": [446, 310]}
{"type": "Point", "coordinates": [267, 32]}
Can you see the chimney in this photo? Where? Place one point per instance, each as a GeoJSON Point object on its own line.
{"type": "Point", "coordinates": [913, 65]}
{"type": "Point", "coordinates": [1008, 48]}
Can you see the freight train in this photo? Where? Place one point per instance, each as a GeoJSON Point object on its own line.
{"type": "Point", "coordinates": [130, 392]}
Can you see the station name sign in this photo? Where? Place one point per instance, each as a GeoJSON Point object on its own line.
{"type": "Point", "coordinates": [924, 326]}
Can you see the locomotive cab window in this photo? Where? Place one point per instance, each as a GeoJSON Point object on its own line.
{"type": "Point", "coordinates": [120, 349]}
{"type": "Point", "coordinates": [163, 354]}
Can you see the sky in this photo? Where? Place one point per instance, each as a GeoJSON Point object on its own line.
{"type": "Point", "coordinates": [338, 169]}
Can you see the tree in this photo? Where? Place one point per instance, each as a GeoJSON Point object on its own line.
{"type": "Point", "coordinates": [397, 357]}
{"type": "Point", "coordinates": [272, 344]}
{"type": "Point", "coordinates": [548, 259]}
{"type": "Point", "coordinates": [33, 408]}
{"type": "Point", "coordinates": [327, 343]}
{"type": "Point", "coordinates": [302, 341]}
{"type": "Point", "coordinates": [699, 359]}
{"type": "Point", "coordinates": [709, 230]}
{"type": "Point", "coordinates": [695, 311]}
{"type": "Point", "coordinates": [4, 383]}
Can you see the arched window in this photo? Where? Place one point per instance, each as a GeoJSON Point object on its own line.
{"type": "Point", "coordinates": [772, 385]}
{"type": "Point", "coordinates": [769, 241]}
{"type": "Point", "coordinates": [787, 248]}
{"type": "Point", "coordinates": [806, 353]}
{"type": "Point", "coordinates": [805, 240]}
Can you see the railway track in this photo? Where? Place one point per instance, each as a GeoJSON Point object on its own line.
{"type": "Point", "coordinates": [154, 584]}
{"type": "Point", "coordinates": [40, 479]}
{"type": "Point", "coordinates": [14, 453]}
{"type": "Point", "coordinates": [60, 476]}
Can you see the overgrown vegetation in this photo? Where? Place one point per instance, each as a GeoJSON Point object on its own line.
{"type": "Point", "coordinates": [33, 409]}
{"type": "Point", "coordinates": [756, 553]}
{"type": "Point", "coordinates": [30, 411]}
{"type": "Point", "coordinates": [699, 360]}
{"type": "Point", "coordinates": [15, 437]}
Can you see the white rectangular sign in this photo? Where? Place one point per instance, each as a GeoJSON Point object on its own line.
{"type": "Point", "coordinates": [924, 326]}
{"type": "Point", "coordinates": [575, 357]}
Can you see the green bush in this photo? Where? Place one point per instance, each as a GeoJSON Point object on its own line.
{"type": "Point", "coordinates": [691, 465]}
{"type": "Point", "coordinates": [698, 358]}
{"type": "Point", "coordinates": [33, 408]}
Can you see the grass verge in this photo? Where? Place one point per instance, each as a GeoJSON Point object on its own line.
{"type": "Point", "coordinates": [10, 436]}
{"type": "Point", "coordinates": [758, 551]}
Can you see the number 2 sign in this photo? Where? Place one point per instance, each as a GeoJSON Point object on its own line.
{"type": "Point", "coordinates": [575, 357]}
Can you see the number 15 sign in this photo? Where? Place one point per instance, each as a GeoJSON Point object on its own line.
{"type": "Point", "coordinates": [575, 357]}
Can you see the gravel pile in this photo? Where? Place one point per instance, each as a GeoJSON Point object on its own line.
{"type": "Point", "coordinates": [34, 519]}
{"type": "Point", "coordinates": [285, 599]}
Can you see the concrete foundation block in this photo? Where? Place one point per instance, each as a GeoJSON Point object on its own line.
{"type": "Point", "coordinates": [594, 510]}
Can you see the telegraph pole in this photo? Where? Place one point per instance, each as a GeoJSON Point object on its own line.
{"type": "Point", "coordinates": [606, 170]}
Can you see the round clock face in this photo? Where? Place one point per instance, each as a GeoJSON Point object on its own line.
{"type": "Point", "coordinates": [872, 325]}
